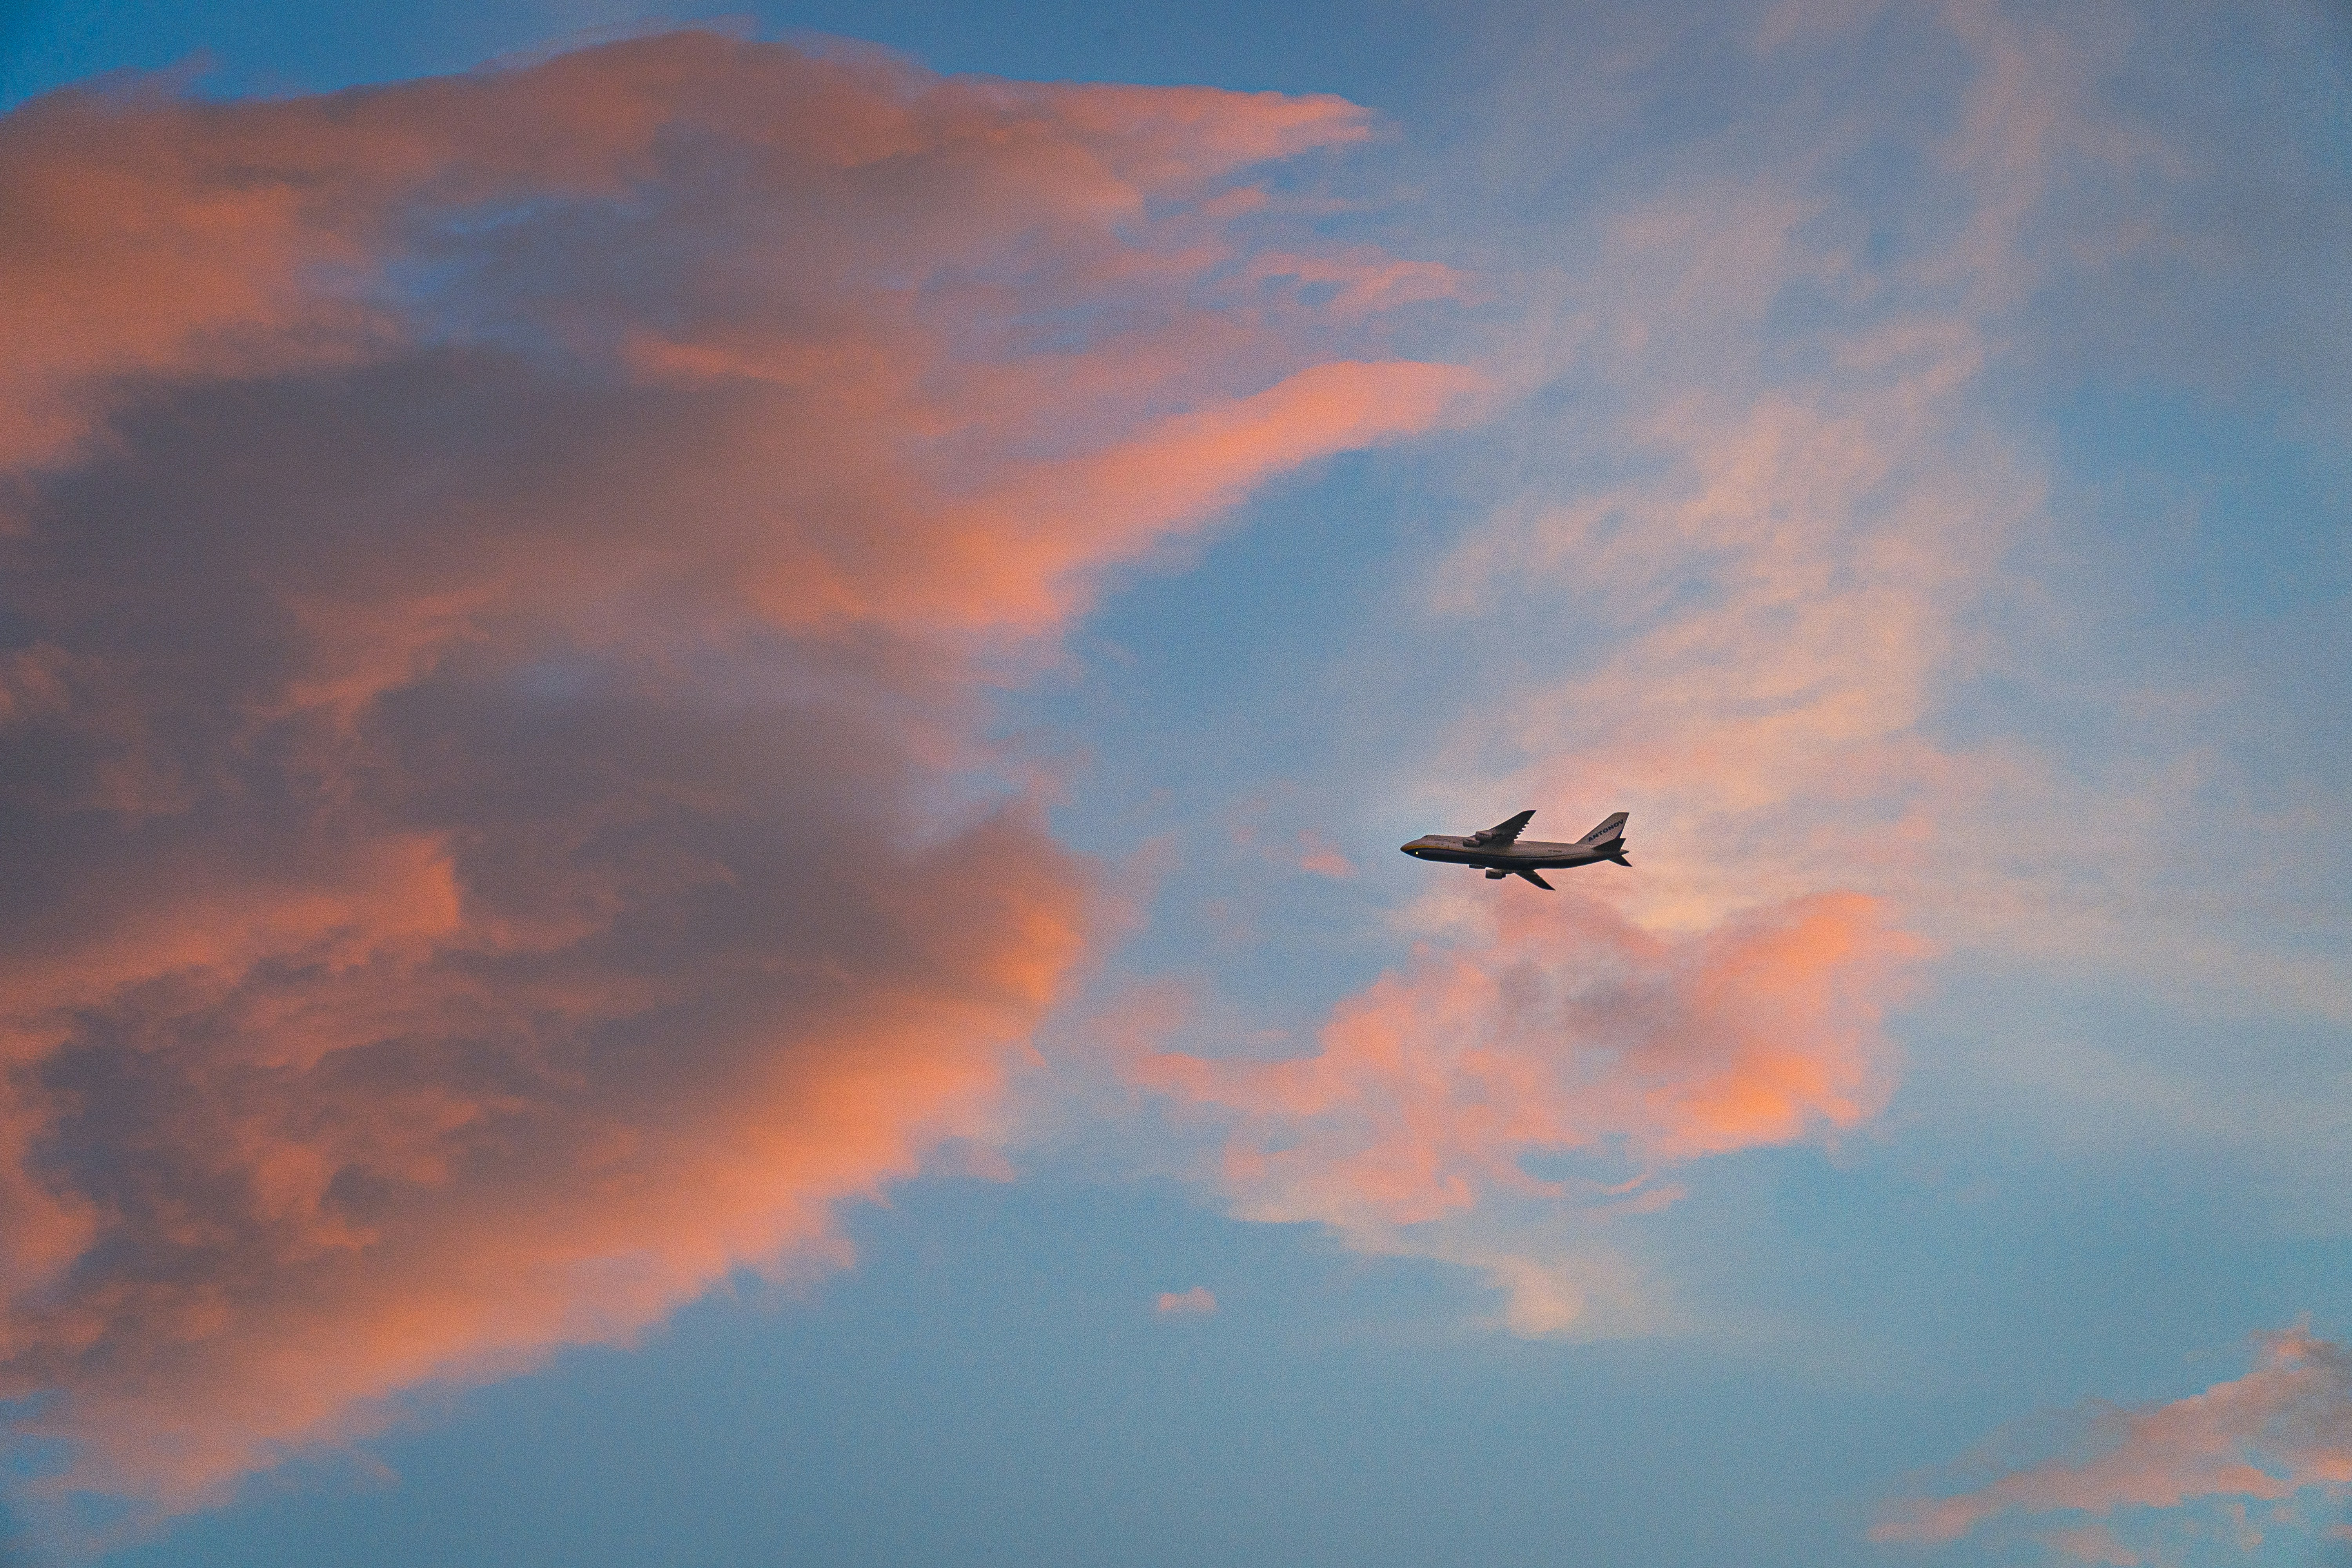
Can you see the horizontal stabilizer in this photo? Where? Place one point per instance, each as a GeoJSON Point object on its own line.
{"type": "Point", "coordinates": [1614, 828]}
{"type": "Point", "coordinates": [1621, 859]}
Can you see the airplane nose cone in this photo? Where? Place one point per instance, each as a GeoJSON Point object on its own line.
{"type": "Point", "coordinates": [1406, 847]}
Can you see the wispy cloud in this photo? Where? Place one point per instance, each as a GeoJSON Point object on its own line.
{"type": "Point", "coordinates": [1197, 1302]}
{"type": "Point", "coordinates": [2094, 1543]}
{"type": "Point", "coordinates": [2284, 1428]}
{"type": "Point", "coordinates": [1754, 565]}
{"type": "Point", "coordinates": [1564, 1028]}
{"type": "Point", "coordinates": [1319, 855]}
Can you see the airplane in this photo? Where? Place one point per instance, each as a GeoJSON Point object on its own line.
{"type": "Point", "coordinates": [1501, 853]}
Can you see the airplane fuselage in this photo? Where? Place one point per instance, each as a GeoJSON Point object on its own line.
{"type": "Point", "coordinates": [1457, 850]}
{"type": "Point", "coordinates": [1499, 851]}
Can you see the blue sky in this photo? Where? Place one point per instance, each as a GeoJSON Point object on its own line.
{"type": "Point", "coordinates": [1902, 465]}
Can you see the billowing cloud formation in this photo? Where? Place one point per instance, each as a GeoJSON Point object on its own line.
{"type": "Point", "coordinates": [1566, 1027]}
{"type": "Point", "coordinates": [2284, 1426]}
{"type": "Point", "coordinates": [491, 834]}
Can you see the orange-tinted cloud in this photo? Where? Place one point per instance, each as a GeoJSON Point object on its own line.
{"type": "Point", "coordinates": [1200, 1302]}
{"type": "Point", "coordinates": [492, 835]}
{"type": "Point", "coordinates": [1565, 1028]}
{"type": "Point", "coordinates": [1816, 557]}
{"type": "Point", "coordinates": [2094, 1543]}
{"type": "Point", "coordinates": [1319, 855]}
{"type": "Point", "coordinates": [2284, 1427]}
{"type": "Point", "coordinates": [1727, 578]}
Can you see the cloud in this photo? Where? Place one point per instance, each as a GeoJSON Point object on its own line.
{"type": "Point", "coordinates": [1319, 855]}
{"type": "Point", "coordinates": [1820, 625]}
{"type": "Point", "coordinates": [1769, 554]}
{"type": "Point", "coordinates": [2094, 1543]}
{"type": "Point", "coordinates": [1199, 1301]}
{"type": "Point", "coordinates": [1265, 823]}
{"type": "Point", "coordinates": [1770, 588]}
{"type": "Point", "coordinates": [1753, 566]}
{"type": "Point", "coordinates": [2283, 1427]}
{"type": "Point", "coordinates": [502, 576]}
{"type": "Point", "coordinates": [1563, 1027]}
{"type": "Point", "coordinates": [1738, 619]}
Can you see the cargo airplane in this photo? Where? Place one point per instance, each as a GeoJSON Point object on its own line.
{"type": "Point", "coordinates": [1500, 852]}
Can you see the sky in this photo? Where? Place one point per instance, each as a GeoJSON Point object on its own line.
{"type": "Point", "coordinates": [704, 719]}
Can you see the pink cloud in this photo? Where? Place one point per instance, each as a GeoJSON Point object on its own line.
{"type": "Point", "coordinates": [1319, 855]}
{"type": "Point", "coordinates": [1365, 281]}
{"type": "Point", "coordinates": [2094, 1543]}
{"type": "Point", "coordinates": [1265, 824]}
{"type": "Point", "coordinates": [2283, 1427]}
{"type": "Point", "coordinates": [1814, 556]}
{"type": "Point", "coordinates": [1566, 1028]}
{"type": "Point", "coordinates": [494, 565]}
{"type": "Point", "coordinates": [1197, 1302]}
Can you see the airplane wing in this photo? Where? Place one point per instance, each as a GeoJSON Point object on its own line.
{"type": "Point", "coordinates": [1538, 882]}
{"type": "Point", "coordinates": [1503, 832]}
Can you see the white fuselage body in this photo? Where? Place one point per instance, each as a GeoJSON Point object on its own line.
{"type": "Point", "coordinates": [1456, 850]}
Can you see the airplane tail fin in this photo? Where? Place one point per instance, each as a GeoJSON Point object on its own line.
{"type": "Point", "coordinates": [1613, 829]}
